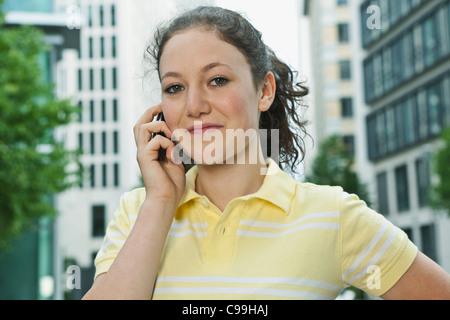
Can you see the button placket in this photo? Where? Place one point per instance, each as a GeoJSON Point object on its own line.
{"type": "Point", "coordinates": [204, 202]}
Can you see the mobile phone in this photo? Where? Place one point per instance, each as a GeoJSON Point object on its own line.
{"type": "Point", "coordinates": [162, 152]}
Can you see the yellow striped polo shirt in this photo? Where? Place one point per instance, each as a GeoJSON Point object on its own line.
{"type": "Point", "coordinates": [289, 240]}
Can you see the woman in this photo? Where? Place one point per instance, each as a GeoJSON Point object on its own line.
{"type": "Point", "coordinates": [235, 226]}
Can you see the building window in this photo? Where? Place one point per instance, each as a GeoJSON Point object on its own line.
{"type": "Point", "coordinates": [113, 46]}
{"type": "Point", "coordinates": [103, 78]}
{"type": "Point", "coordinates": [113, 15]}
{"type": "Point", "coordinates": [434, 109]}
{"type": "Point", "coordinates": [102, 47]}
{"type": "Point", "coordinates": [98, 221]}
{"type": "Point", "coordinates": [427, 233]}
{"type": "Point", "coordinates": [102, 16]}
{"type": "Point", "coordinates": [430, 41]}
{"type": "Point", "coordinates": [92, 175]}
{"type": "Point", "coordinates": [422, 113]}
{"type": "Point", "coordinates": [347, 107]}
{"type": "Point", "coordinates": [371, 138]}
{"type": "Point", "coordinates": [116, 142]}
{"type": "Point", "coordinates": [443, 33]}
{"type": "Point", "coordinates": [104, 142]}
{"type": "Point", "coordinates": [115, 110]}
{"type": "Point", "coordinates": [104, 175]}
{"type": "Point", "coordinates": [80, 80]}
{"type": "Point", "coordinates": [116, 175]}
{"type": "Point", "coordinates": [382, 191]}
{"type": "Point", "coordinates": [418, 48]}
{"type": "Point", "coordinates": [402, 190]}
{"type": "Point", "coordinates": [80, 111]}
{"type": "Point", "coordinates": [349, 142]}
{"type": "Point", "coordinates": [345, 70]}
{"type": "Point", "coordinates": [391, 137]}
{"type": "Point", "coordinates": [80, 141]}
{"type": "Point", "coordinates": [90, 16]}
{"type": "Point", "coordinates": [91, 48]}
{"type": "Point", "coordinates": [409, 232]}
{"type": "Point", "coordinates": [408, 56]}
{"type": "Point", "coordinates": [103, 110]}
{"type": "Point", "coordinates": [423, 180]}
{"type": "Point", "coordinates": [343, 33]}
{"type": "Point", "coordinates": [114, 78]}
{"type": "Point", "coordinates": [92, 142]}
{"type": "Point", "coordinates": [380, 133]}
{"type": "Point", "coordinates": [445, 89]}
{"type": "Point", "coordinates": [409, 120]}
{"type": "Point", "coordinates": [91, 79]}
{"type": "Point", "coordinates": [399, 130]}
{"type": "Point", "coordinates": [92, 111]}
{"type": "Point", "coordinates": [386, 62]}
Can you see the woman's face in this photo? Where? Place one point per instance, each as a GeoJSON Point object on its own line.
{"type": "Point", "coordinates": [207, 93]}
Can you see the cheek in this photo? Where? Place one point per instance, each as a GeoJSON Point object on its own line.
{"type": "Point", "coordinates": [171, 115]}
{"type": "Point", "coordinates": [240, 107]}
{"type": "Point", "coordinates": [245, 110]}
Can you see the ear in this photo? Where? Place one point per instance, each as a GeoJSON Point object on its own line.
{"type": "Point", "coordinates": [268, 90]}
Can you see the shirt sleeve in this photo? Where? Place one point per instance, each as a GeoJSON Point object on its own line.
{"type": "Point", "coordinates": [375, 253]}
{"type": "Point", "coordinates": [118, 230]}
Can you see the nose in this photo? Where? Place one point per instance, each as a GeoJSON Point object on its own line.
{"type": "Point", "coordinates": [196, 103]}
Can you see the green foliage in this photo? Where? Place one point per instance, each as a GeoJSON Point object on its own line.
{"type": "Point", "coordinates": [29, 112]}
{"type": "Point", "coordinates": [440, 195]}
{"type": "Point", "coordinates": [333, 166]}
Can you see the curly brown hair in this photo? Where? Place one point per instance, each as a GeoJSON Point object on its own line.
{"type": "Point", "coordinates": [233, 28]}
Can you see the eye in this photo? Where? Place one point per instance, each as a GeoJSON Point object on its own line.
{"type": "Point", "coordinates": [174, 89]}
{"type": "Point", "coordinates": [219, 82]}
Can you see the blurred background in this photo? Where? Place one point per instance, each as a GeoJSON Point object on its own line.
{"type": "Point", "coordinates": [73, 83]}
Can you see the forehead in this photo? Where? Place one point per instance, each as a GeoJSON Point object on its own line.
{"type": "Point", "coordinates": [199, 47]}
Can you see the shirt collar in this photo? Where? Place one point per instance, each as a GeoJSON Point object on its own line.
{"type": "Point", "coordinates": [278, 187]}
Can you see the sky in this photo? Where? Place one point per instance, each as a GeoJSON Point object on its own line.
{"type": "Point", "coordinates": [279, 23]}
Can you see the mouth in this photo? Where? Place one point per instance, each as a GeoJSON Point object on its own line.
{"type": "Point", "coordinates": [200, 127]}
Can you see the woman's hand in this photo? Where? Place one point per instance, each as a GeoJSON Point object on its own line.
{"type": "Point", "coordinates": [163, 180]}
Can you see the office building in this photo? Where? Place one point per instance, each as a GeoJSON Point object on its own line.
{"type": "Point", "coordinates": [406, 73]}
{"type": "Point", "coordinates": [334, 75]}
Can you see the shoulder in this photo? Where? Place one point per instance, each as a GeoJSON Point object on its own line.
{"type": "Point", "coordinates": [133, 197]}
{"type": "Point", "coordinates": [323, 198]}
{"type": "Point", "coordinates": [318, 197]}
{"type": "Point", "coordinates": [130, 203]}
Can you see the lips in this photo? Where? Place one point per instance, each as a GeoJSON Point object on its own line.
{"type": "Point", "coordinates": [200, 127]}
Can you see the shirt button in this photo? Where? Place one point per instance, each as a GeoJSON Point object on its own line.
{"type": "Point", "coordinates": [204, 203]}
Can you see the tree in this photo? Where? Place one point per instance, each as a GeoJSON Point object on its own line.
{"type": "Point", "coordinates": [440, 195]}
{"type": "Point", "coordinates": [33, 165]}
{"type": "Point", "coordinates": [334, 166]}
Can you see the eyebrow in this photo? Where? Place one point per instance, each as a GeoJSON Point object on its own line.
{"type": "Point", "coordinates": [204, 69]}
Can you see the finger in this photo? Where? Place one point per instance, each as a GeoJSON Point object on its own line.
{"type": "Point", "coordinates": [147, 130]}
{"type": "Point", "coordinates": [147, 117]}
{"type": "Point", "coordinates": [151, 150]}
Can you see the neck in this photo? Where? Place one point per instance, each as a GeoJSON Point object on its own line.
{"type": "Point", "coordinates": [225, 182]}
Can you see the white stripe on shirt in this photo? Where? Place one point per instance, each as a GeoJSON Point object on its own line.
{"type": "Point", "coordinates": [366, 250]}
{"type": "Point", "coordinates": [245, 233]}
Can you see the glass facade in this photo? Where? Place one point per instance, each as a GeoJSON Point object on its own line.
{"type": "Point", "coordinates": [417, 49]}
{"type": "Point", "coordinates": [392, 13]}
{"type": "Point", "coordinates": [414, 118]}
